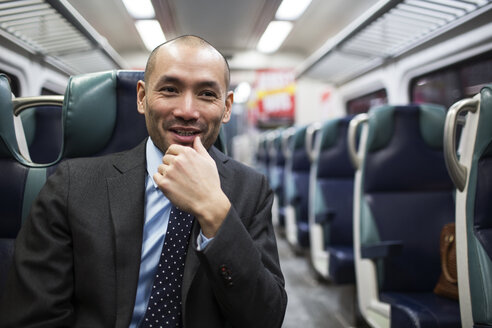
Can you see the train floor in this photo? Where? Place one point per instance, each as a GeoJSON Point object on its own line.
{"type": "Point", "coordinates": [313, 302]}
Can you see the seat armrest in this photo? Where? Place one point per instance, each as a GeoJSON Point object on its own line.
{"type": "Point", "coordinates": [382, 249]}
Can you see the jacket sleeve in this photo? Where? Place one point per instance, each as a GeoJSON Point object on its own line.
{"type": "Point", "coordinates": [40, 282]}
{"type": "Point", "coordinates": [243, 266]}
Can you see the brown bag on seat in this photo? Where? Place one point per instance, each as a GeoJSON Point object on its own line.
{"type": "Point", "coordinates": [447, 285]}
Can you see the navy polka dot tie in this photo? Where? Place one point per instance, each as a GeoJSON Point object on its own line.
{"type": "Point", "coordinates": [164, 307]}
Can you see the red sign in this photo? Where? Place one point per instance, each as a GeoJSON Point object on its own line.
{"type": "Point", "coordinates": [275, 96]}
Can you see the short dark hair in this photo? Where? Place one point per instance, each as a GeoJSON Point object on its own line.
{"type": "Point", "coordinates": [192, 40]}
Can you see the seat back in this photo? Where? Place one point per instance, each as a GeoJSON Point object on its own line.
{"type": "Point", "coordinates": [261, 156]}
{"type": "Point", "coordinates": [331, 183]}
{"type": "Point", "coordinates": [403, 197]}
{"type": "Point", "coordinates": [276, 176]}
{"type": "Point", "coordinates": [472, 175]}
{"type": "Point", "coordinates": [335, 178]}
{"type": "Point", "coordinates": [407, 193]}
{"type": "Point", "coordinates": [297, 190]}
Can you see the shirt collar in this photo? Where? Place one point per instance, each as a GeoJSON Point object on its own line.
{"type": "Point", "coordinates": [154, 159]}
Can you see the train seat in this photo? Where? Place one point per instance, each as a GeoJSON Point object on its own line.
{"type": "Point", "coordinates": [261, 156]}
{"type": "Point", "coordinates": [331, 183]}
{"type": "Point", "coordinates": [403, 198]}
{"type": "Point", "coordinates": [22, 178]}
{"type": "Point", "coordinates": [472, 176]}
{"type": "Point", "coordinates": [276, 177]}
{"type": "Point", "coordinates": [297, 190]}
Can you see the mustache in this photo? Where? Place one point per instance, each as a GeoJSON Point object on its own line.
{"type": "Point", "coordinates": [185, 123]}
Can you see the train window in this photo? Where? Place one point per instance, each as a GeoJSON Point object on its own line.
{"type": "Point", "coordinates": [364, 103]}
{"type": "Point", "coordinates": [14, 83]}
{"type": "Point", "coordinates": [448, 85]}
{"type": "Point", "coordinates": [48, 92]}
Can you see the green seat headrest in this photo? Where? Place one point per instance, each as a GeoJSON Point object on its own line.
{"type": "Point", "coordinates": [89, 110]}
{"type": "Point", "coordinates": [8, 142]}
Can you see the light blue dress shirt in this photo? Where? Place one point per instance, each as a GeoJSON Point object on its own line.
{"type": "Point", "coordinates": [157, 210]}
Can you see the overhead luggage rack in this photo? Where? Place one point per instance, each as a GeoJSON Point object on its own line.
{"type": "Point", "coordinates": [54, 31]}
{"type": "Point", "coordinates": [390, 29]}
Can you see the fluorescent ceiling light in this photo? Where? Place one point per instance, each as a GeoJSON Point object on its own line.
{"type": "Point", "coordinates": [274, 36]}
{"type": "Point", "coordinates": [140, 9]}
{"type": "Point", "coordinates": [151, 33]}
{"type": "Point", "coordinates": [291, 9]}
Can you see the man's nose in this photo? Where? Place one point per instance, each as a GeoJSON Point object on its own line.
{"type": "Point", "coordinates": [187, 109]}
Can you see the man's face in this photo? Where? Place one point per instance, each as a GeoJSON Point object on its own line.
{"type": "Point", "coordinates": [185, 96]}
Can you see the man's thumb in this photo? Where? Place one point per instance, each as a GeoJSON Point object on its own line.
{"type": "Point", "coordinates": [198, 146]}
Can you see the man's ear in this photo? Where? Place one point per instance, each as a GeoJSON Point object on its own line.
{"type": "Point", "coordinates": [228, 107]}
{"type": "Point", "coordinates": [141, 96]}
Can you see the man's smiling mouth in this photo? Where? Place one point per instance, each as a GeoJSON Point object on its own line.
{"type": "Point", "coordinates": [186, 133]}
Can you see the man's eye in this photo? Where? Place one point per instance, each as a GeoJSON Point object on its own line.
{"type": "Point", "coordinates": [209, 94]}
{"type": "Point", "coordinates": [168, 89]}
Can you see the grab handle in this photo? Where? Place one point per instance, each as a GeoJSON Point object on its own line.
{"type": "Point", "coordinates": [457, 171]}
{"type": "Point", "coordinates": [310, 132]}
{"type": "Point", "coordinates": [352, 138]}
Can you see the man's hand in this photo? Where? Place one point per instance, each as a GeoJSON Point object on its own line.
{"type": "Point", "coordinates": [190, 180]}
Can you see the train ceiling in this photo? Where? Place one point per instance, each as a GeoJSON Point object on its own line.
{"type": "Point", "coordinates": [333, 41]}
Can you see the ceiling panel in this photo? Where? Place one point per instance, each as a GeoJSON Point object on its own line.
{"type": "Point", "coordinates": [395, 27]}
{"type": "Point", "coordinates": [53, 31]}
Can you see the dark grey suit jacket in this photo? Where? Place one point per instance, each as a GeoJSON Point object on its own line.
{"type": "Point", "coordinates": [77, 257]}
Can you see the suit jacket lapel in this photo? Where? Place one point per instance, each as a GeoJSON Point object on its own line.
{"type": "Point", "coordinates": [192, 262]}
{"type": "Point", "coordinates": [126, 192]}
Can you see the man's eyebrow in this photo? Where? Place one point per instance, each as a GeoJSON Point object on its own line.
{"type": "Point", "coordinates": [209, 84]}
{"type": "Point", "coordinates": [169, 79]}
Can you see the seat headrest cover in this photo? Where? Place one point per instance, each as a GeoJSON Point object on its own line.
{"type": "Point", "coordinates": [484, 133]}
{"type": "Point", "coordinates": [410, 160]}
{"type": "Point", "coordinates": [8, 143]}
{"type": "Point", "coordinates": [381, 124]}
{"type": "Point", "coordinates": [328, 134]}
{"type": "Point", "coordinates": [432, 119]}
{"type": "Point", "coordinates": [299, 138]}
{"type": "Point", "coordinates": [89, 111]}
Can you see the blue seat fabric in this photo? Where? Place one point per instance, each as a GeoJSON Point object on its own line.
{"type": "Point", "coordinates": [43, 129]}
{"type": "Point", "coordinates": [341, 270]}
{"type": "Point", "coordinates": [422, 310]}
{"type": "Point", "coordinates": [13, 176]}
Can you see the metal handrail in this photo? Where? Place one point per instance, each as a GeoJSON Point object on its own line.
{"type": "Point", "coordinates": [309, 141]}
{"type": "Point", "coordinates": [352, 138]}
{"type": "Point", "coordinates": [457, 171]}
{"type": "Point", "coordinates": [22, 103]}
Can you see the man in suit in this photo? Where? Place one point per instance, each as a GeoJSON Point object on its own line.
{"type": "Point", "coordinates": [91, 251]}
